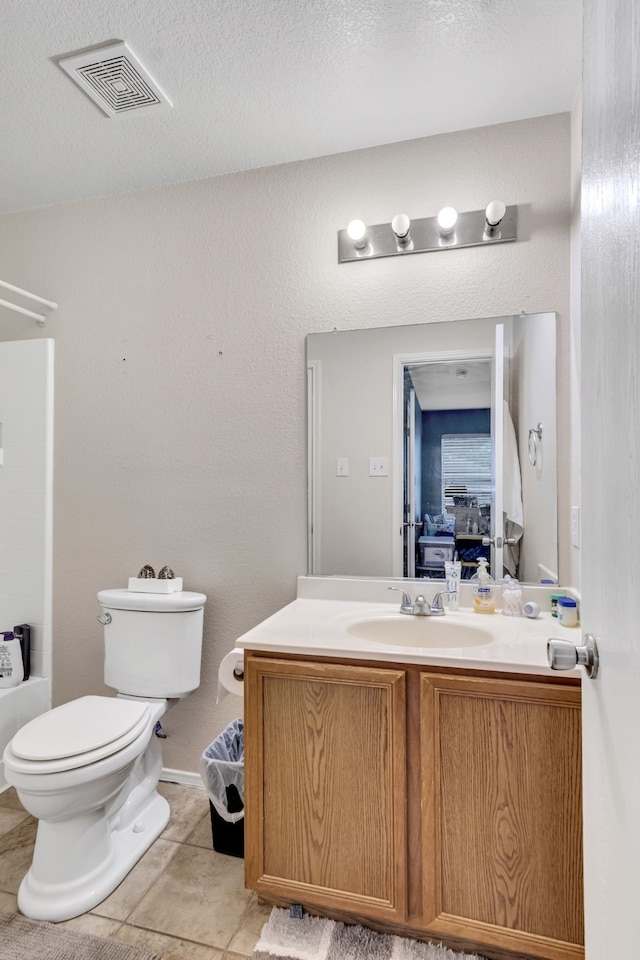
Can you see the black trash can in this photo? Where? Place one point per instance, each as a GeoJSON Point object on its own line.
{"type": "Point", "coordinates": [222, 770]}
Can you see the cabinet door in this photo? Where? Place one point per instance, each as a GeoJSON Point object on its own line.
{"type": "Point", "coordinates": [325, 821]}
{"type": "Point", "coordinates": [502, 814]}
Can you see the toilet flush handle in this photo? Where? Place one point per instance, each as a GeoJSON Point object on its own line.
{"type": "Point", "coordinates": [104, 618]}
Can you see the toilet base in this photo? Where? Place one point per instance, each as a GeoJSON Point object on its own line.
{"type": "Point", "coordinates": [62, 901]}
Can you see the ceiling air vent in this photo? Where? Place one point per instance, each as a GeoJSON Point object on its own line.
{"type": "Point", "coordinates": [115, 80]}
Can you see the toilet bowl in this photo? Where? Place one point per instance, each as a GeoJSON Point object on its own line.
{"type": "Point", "coordinates": [98, 809]}
{"type": "Point", "coordinates": [88, 770]}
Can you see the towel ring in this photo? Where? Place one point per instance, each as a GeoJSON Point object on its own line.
{"type": "Point", "coordinates": [535, 439]}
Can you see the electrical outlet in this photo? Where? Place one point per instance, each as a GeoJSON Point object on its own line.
{"type": "Point", "coordinates": [378, 467]}
{"type": "Point", "coordinates": [342, 467]}
{"type": "Point", "coordinates": [575, 526]}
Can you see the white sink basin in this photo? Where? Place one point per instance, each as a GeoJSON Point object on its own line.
{"type": "Point", "coordinates": [409, 631]}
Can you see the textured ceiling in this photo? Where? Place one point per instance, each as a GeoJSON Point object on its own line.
{"type": "Point", "coordinates": [261, 82]}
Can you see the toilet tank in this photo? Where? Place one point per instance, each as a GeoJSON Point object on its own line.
{"type": "Point", "coordinates": [152, 642]}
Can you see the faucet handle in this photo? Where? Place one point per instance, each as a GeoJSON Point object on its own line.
{"type": "Point", "coordinates": [406, 604]}
{"type": "Point", "coordinates": [437, 606]}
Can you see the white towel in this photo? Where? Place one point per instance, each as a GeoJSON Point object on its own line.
{"type": "Point", "coordinates": [511, 495]}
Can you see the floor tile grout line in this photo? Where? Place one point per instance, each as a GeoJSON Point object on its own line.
{"type": "Point", "coordinates": [239, 927]}
{"type": "Point", "coordinates": [109, 936]}
{"type": "Point", "coordinates": [94, 911]}
{"type": "Point", "coordinates": [222, 949]}
{"type": "Point", "coordinates": [173, 936]}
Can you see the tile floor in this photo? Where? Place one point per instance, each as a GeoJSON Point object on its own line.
{"type": "Point", "coordinates": [182, 899]}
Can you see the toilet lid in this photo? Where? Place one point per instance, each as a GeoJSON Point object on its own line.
{"type": "Point", "coordinates": [90, 724]}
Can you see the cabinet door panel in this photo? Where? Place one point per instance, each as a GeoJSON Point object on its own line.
{"type": "Point", "coordinates": [505, 821]}
{"type": "Point", "coordinates": [325, 744]}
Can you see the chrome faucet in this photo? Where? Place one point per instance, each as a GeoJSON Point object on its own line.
{"type": "Point", "coordinates": [420, 607]}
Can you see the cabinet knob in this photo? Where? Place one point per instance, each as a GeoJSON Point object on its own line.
{"type": "Point", "coordinates": [565, 655]}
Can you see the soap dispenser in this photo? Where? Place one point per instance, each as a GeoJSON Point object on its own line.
{"type": "Point", "coordinates": [484, 600]}
{"type": "Point", "coordinates": [11, 667]}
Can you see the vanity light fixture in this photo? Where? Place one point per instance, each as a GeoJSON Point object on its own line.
{"type": "Point", "coordinates": [447, 219]}
{"type": "Point", "coordinates": [401, 226]}
{"type": "Point", "coordinates": [497, 223]}
{"type": "Point", "coordinates": [358, 234]}
{"type": "Point", "coordinates": [494, 214]}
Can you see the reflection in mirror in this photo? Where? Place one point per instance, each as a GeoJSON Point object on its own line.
{"type": "Point", "coordinates": [419, 448]}
{"type": "Point", "coordinates": [447, 465]}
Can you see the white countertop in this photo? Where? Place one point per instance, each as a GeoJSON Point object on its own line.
{"type": "Point", "coordinates": [321, 627]}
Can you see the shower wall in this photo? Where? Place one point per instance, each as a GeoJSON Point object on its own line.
{"type": "Point", "coordinates": [26, 483]}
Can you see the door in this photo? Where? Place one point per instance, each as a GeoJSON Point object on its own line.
{"type": "Point", "coordinates": [497, 452]}
{"type": "Point", "coordinates": [610, 418]}
{"type": "Point", "coordinates": [412, 475]}
{"type": "Point", "coordinates": [314, 560]}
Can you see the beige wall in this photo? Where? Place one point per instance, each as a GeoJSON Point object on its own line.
{"type": "Point", "coordinates": [540, 484]}
{"type": "Point", "coordinates": [180, 374]}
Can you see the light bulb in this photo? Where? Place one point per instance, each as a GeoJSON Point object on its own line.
{"type": "Point", "coordinates": [494, 213]}
{"type": "Point", "coordinates": [401, 225]}
{"type": "Point", "coordinates": [357, 231]}
{"type": "Point", "coordinates": [447, 220]}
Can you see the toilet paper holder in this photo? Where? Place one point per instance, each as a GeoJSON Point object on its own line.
{"type": "Point", "coordinates": [231, 674]}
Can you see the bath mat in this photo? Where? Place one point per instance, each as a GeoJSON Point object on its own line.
{"type": "Point", "coordinates": [315, 938]}
{"type": "Point", "coordinates": [24, 939]}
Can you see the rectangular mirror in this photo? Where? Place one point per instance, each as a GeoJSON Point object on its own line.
{"type": "Point", "coordinates": [426, 440]}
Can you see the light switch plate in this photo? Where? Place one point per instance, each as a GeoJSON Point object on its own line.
{"type": "Point", "coordinates": [378, 466]}
{"type": "Point", "coordinates": [342, 467]}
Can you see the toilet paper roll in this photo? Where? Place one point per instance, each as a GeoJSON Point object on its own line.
{"type": "Point", "coordinates": [231, 674]}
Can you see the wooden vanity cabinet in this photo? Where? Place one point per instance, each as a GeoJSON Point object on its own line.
{"type": "Point", "coordinates": [502, 813]}
{"type": "Point", "coordinates": [440, 804]}
{"type": "Point", "coordinates": [325, 786]}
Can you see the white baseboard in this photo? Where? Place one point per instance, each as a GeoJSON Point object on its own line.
{"type": "Point", "coordinates": [183, 777]}
{"type": "Point", "coordinates": [171, 776]}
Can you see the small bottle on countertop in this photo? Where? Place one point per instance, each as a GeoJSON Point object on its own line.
{"type": "Point", "coordinates": [567, 612]}
{"type": "Point", "coordinates": [11, 667]}
{"type": "Point", "coordinates": [554, 603]}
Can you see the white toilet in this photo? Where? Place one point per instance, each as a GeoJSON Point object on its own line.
{"type": "Point", "coordinates": [88, 770]}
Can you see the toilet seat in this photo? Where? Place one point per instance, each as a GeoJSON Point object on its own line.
{"type": "Point", "coordinates": [77, 734]}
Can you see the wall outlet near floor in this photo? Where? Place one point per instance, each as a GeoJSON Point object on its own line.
{"type": "Point", "coordinates": [378, 466]}
{"type": "Point", "coordinates": [575, 526]}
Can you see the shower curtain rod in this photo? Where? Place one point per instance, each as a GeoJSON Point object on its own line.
{"type": "Point", "coordinates": [40, 318]}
